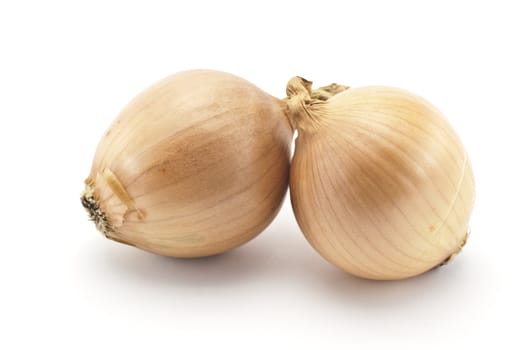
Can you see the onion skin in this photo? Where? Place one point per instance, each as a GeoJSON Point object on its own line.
{"type": "Point", "coordinates": [194, 166]}
{"type": "Point", "coordinates": [381, 185]}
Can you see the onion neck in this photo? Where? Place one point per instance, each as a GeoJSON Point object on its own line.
{"type": "Point", "coordinates": [303, 104]}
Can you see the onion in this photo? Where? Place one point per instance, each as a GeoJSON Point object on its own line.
{"type": "Point", "coordinates": [194, 166]}
{"type": "Point", "coordinates": [381, 185]}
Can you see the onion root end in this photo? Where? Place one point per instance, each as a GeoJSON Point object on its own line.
{"type": "Point", "coordinates": [91, 204]}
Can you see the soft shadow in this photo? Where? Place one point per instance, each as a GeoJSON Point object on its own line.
{"type": "Point", "coordinates": [227, 268]}
{"type": "Point", "coordinates": [280, 258]}
{"type": "Point", "coordinates": [437, 284]}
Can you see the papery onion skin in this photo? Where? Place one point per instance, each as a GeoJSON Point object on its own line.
{"type": "Point", "coordinates": [381, 185]}
{"type": "Point", "coordinates": [194, 166]}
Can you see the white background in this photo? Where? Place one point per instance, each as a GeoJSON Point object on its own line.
{"type": "Point", "coordinates": [67, 68]}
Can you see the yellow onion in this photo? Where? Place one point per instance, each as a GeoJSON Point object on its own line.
{"type": "Point", "coordinates": [195, 165]}
{"type": "Point", "coordinates": [381, 185]}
